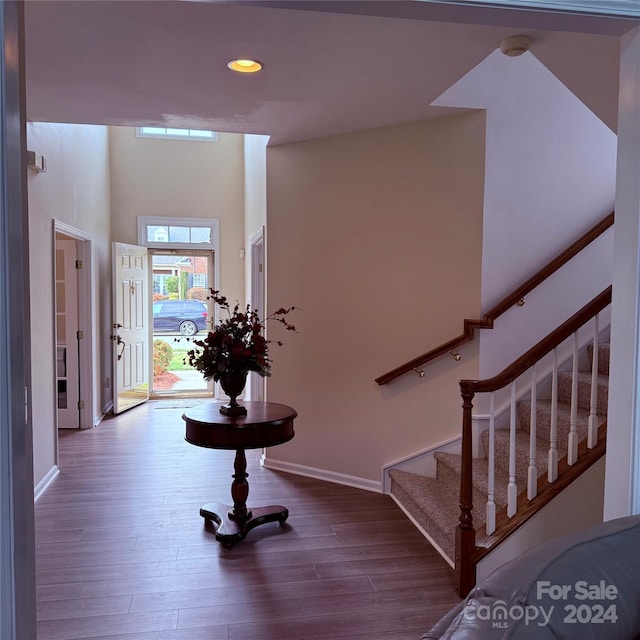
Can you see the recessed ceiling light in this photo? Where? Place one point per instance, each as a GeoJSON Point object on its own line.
{"type": "Point", "coordinates": [245, 65]}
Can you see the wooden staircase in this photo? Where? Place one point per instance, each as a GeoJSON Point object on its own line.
{"type": "Point", "coordinates": [434, 502]}
{"type": "Point", "coordinates": [452, 505]}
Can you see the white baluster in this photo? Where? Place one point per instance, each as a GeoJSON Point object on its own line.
{"type": "Point", "coordinates": [512, 489]}
{"type": "Point", "coordinates": [532, 479]}
{"type": "Point", "coordinates": [491, 504]}
{"type": "Point", "coordinates": [572, 454]}
{"type": "Point", "coordinates": [553, 429]}
{"type": "Point", "coordinates": [593, 405]}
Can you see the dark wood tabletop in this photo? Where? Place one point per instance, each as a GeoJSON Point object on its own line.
{"type": "Point", "coordinates": [265, 425]}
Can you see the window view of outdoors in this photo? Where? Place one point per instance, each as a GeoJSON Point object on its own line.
{"type": "Point", "coordinates": [180, 314]}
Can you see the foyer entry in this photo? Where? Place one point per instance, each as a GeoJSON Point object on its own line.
{"type": "Point", "coordinates": [181, 313]}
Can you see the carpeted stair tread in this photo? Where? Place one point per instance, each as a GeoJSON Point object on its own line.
{"type": "Point", "coordinates": [543, 422]}
{"type": "Point", "coordinates": [449, 469]}
{"type": "Point", "coordinates": [501, 453]}
{"type": "Point", "coordinates": [432, 503]}
{"type": "Point", "coordinates": [604, 352]}
{"type": "Point", "coordinates": [584, 389]}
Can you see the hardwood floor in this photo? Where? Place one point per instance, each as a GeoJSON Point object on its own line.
{"type": "Point", "coordinates": [123, 554]}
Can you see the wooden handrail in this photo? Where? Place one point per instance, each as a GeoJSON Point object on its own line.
{"type": "Point", "coordinates": [487, 320]}
{"type": "Point", "coordinates": [559, 261]}
{"type": "Point", "coordinates": [547, 344]}
{"type": "Point", "coordinates": [465, 532]}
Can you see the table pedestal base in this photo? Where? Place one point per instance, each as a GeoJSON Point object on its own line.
{"type": "Point", "coordinates": [232, 530]}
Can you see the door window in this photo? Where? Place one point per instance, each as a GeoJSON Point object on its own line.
{"type": "Point", "coordinates": [184, 263]}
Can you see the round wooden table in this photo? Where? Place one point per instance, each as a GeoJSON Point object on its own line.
{"type": "Point", "coordinates": [265, 425]}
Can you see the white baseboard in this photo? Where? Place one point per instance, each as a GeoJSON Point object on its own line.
{"type": "Point", "coordinates": [433, 543]}
{"type": "Point", "coordinates": [322, 474]}
{"type": "Point", "coordinates": [105, 410]}
{"type": "Point", "coordinates": [423, 462]}
{"type": "Point", "coordinates": [40, 488]}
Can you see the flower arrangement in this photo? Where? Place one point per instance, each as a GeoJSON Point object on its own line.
{"type": "Point", "coordinates": [237, 343]}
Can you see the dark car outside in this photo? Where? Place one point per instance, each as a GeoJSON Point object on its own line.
{"type": "Point", "coordinates": [187, 317]}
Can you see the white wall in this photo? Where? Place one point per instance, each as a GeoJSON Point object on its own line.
{"type": "Point", "coordinates": [255, 220]}
{"type": "Point", "coordinates": [622, 488]}
{"type": "Point", "coordinates": [377, 236]}
{"type": "Point", "coordinates": [255, 194]}
{"type": "Point", "coordinates": [547, 306]}
{"type": "Point", "coordinates": [74, 190]}
{"type": "Point", "coordinates": [550, 176]}
{"type": "Point", "coordinates": [178, 178]}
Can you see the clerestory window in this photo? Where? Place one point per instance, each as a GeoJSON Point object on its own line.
{"type": "Point", "coordinates": [201, 233]}
{"type": "Point", "coordinates": [170, 133]}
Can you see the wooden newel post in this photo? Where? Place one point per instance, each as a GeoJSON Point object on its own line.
{"type": "Point", "coordinates": [465, 570]}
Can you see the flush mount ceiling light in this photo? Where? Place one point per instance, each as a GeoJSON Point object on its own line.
{"type": "Point", "coordinates": [244, 65]}
{"type": "Point", "coordinates": [515, 45]}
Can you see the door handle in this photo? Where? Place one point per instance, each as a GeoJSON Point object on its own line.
{"type": "Point", "coordinates": [119, 341]}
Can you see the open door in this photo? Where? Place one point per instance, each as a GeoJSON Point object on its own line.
{"type": "Point", "coordinates": [130, 326]}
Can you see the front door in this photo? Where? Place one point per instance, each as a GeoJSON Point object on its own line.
{"type": "Point", "coordinates": [181, 313]}
{"type": "Point", "coordinates": [130, 326]}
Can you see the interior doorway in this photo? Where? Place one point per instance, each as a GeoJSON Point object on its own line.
{"type": "Point", "coordinates": [181, 314]}
{"type": "Point", "coordinates": [67, 333]}
{"type": "Point", "coordinates": [256, 386]}
{"type": "Point", "coordinates": [72, 327]}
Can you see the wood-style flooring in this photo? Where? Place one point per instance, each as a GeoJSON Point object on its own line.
{"type": "Point", "coordinates": [123, 554]}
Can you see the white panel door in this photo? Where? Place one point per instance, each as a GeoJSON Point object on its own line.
{"type": "Point", "coordinates": [130, 326]}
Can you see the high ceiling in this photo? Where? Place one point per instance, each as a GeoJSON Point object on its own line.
{"type": "Point", "coordinates": [330, 67]}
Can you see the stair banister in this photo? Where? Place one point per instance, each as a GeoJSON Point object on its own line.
{"type": "Point", "coordinates": [512, 489]}
{"type": "Point", "coordinates": [487, 320]}
{"type": "Point", "coordinates": [552, 473]}
{"type": "Point", "coordinates": [593, 402]}
{"type": "Point", "coordinates": [545, 346]}
{"type": "Point", "coordinates": [573, 431]}
{"type": "Point", "coordinates": [491, 480]}
{"type": "Point", "coordinates": [465, 551]}
{"type": "Point", "coordinates": [532, 472]}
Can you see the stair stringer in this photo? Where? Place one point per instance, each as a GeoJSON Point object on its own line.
{"type": "Point", "coordinates": [424, 532]}
{"type": "Point", "coordinates": [552, 519]}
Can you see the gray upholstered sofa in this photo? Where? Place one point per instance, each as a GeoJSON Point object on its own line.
{"type": "Point", "coordinates": [585, 585]}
